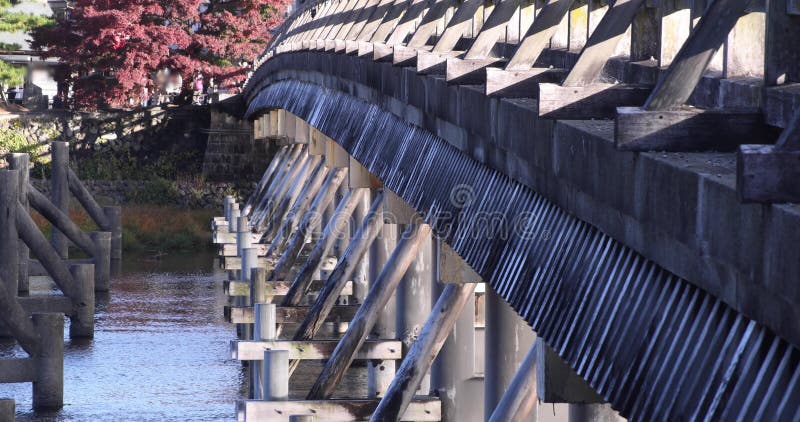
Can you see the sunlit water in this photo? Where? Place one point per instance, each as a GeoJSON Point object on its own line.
{"type": "Point", "coordinates": [160, 351]}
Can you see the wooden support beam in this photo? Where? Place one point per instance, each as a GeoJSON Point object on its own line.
{"type": "Point", "coordinates": [595, 101]}
{"type": "Point", "coordinates": [277, 288]}
{"type": "Point", "coordinates": [519, 83]}
{"type": "Point", "coordinates": [407, 56]}
{"type": "Point", "coordinates": [337, 410]}
{"type": "Point", "coordinates": [422, 353]}
{"type": "Point", "coordinates": [539, 34]}
{"type": "Point", "coordinates": [767, 174]}
{"type": "Point", "coordinates": [382, 52]}
{"type": "Point", "coordinates": [351, 258]}
{"type": "Point", "coordinates": [470, 71]}
{"type": "Point", "coordinates": [770, 173]}
{"type": "Point", "coordinates": [286, 314]}
{"type": "Point", "coordinates": [434, 63]}
{"type": "Point", "coordinates": [521, 398]}
{"type": "Point", "coordinates": [459, 24]}
{"type": "Point", "coordinates": [230, 249]}
{"type": "Point", "coordinates": [310, 220]}
{"type": "Point", "coordinates": [227, 238]}
{"type": "Point", "coordinates": [17, 370]}
{"type": "Point", "coordinates": [688, 129]}
{"type": "Point", "coordinates": [314, 349]}
{"type": "Point", "coordinates": [406, 24]}
{"type": "Point", "coordinates": [492, 30]}
{"type": "Point", "coordinates": [676, 85]}
{"type": "Point", "coordinates": [430, 20]}
{"type": "Point", "coordinates": [381, 290]}
{"type": "Point", "coordinates": [235, 262]}
{"type": "Point", "coordinates": [333, 230]}
{"type": "Point", "coordinates": [392, 18]}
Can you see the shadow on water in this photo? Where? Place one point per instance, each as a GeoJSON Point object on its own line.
{"type": "Point", "coordinates": [160, 351]}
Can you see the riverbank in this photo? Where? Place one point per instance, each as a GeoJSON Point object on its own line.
{"type": "Point", "coordinates": [153, 230]}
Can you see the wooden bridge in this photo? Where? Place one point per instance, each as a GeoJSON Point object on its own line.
{"type": "Point", "coordinates": [616, 177]}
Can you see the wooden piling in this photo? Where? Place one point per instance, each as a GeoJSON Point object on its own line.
{"type": "Point", "coordinates": [379, 295]}
{"type": "Point", "coordinates": [9, 243]}
{"type": "Point", "coordinates": [114, 216]}
{"type": "Point", "coordinates": [48, 388]}
{"type": "Point", "coordinates": [8, 409]}
{"type": "Point", "coordinates": [102, 260]}
{"type": "Point", "coordinates": [418, 360]}
{"type": "Point", "coordinates": [21, 162]}
{"type": "Point", "coordinates": [59, 191]}
{"type": "Point", "coordinates": [82, 319]}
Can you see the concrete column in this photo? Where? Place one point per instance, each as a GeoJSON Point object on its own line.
{"type": "Point", "coordinates": [380, 373]}
{"type": "Point", "coordinates": [82, 322]}
{"type": "Point", "coordinates": [508, 339]}
{"type": "Point", "coordinates": [414, 301]}
{"type": "Point", "coordinates": [21, 162]}
{"type": "Point", "coordinates": [265, 328]}
{"type": "Point", "coordinates": [48, 389]}
{"type": "Point", "coordinates": [59, 191]}
{"type": "Point", "coordinates": [102, 260]}
{"type": "Point", "coordinates": [9, 239]}
{"type": "Point", "coordinates": [275, 377]}
{"type": "Point", "coordinates": [362, 272]}
{"type": "Point", "coordinates": [243, 239]}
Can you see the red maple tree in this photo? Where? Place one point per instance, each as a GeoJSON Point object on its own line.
{"type": "Point", "coordinates": [110, 49]}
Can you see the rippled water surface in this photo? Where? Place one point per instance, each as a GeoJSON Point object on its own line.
{"type": "Point", "coordinates": [160, 351]}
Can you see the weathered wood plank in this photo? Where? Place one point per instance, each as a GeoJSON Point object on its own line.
{"type": "Point", "coordinates": [314, 349]}
{"type": "Point", "coordinates": [469, 71]}
{"type": "Point", "coordinates": [407, 56]}
{"type": "Point", "coordinates": [420, 410]}
{"type": "Point", "coordinates": [596, 101]}
{"type": "Point", "coordinates": [688, 129]}
{"type": "Point", "coordinates": [767, 174]}
{"type": "Point", "coordinates": [433, 63]}
{"type": "Point", "coordinates": [230, 249]}
{"type": "Point", "coordinates": [277, 288]}
{"type": "Point", "coordinates": [46, 303]}
{"type": "Point", "coordinates": [519, 83]}
{"type": "Point", "coordinates": [222, 237]}
{"type": "Point", "coordinates": [17, 370]}
{"type": "Point", "coordinates": [235, 262]}
{"type": "Point", "coordinates": [288, 314]}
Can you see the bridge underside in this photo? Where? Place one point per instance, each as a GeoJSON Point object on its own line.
{"type": "Point", "coordinates": [566, 246]}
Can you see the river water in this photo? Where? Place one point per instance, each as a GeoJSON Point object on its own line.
{"type": "Point", "coordinates": [160, 351]}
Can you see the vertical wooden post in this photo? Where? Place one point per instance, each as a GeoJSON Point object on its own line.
{"type": "Point", "coordinates": [114, 215]}
{"type": "Point", "coordinates": [102, 260]}
{"type": "Point", "coordinates": [82, 321]}
{"type": "Point", "coordinates": [48, 388]}
{"type": "Point", "coordinates": [59, 191]}
{"type": "Point", "coordinates": [8, 409]}
{"type": "Point", "coordinates": [21, 163]}
{"type": "Point", "coordinates": [9, 239]}
{"type": "Point", "coordinates": [418, 360]}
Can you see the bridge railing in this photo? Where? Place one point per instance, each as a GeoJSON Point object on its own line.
{"type": "Point", "coordinates": [694, 75]}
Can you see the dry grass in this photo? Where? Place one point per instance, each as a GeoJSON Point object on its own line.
{"type": "Point", "coordinates": [152, 228]}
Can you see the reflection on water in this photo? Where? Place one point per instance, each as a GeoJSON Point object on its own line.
{"type": "Point", "coordinates": [160, 350]}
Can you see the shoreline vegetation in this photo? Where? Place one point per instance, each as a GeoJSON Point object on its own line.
{"type": "Point", "coordinates": [151, 230]}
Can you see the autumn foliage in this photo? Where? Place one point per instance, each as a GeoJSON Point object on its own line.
{"type": "Point", "coordinates": [111, 48]}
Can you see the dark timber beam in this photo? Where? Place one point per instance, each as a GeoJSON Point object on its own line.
{"type": "Point", "coordinates": [771, 173]}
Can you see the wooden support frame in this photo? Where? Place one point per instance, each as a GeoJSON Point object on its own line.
{"type": "Point", "coordinates": [433, 62]}
{"type": "Point", "coordinates": [287, 314]}
{"type": "Point", "coordinates": [595, 101]}
{"type": "Point", "coordinates": [314, 349]}
{"type": "Point", "coordinates": [519, 83]}
{"type": "Point", "coordinates": [336, 410]}
{"type": "Point", "coordinates": [278, 288]}
{"type": "Point", "coordinates": [470, 71]}
{"type": "Point", "coordinates": [771, 173]}
{"type": "Point", "coordinates": [688, 129]}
